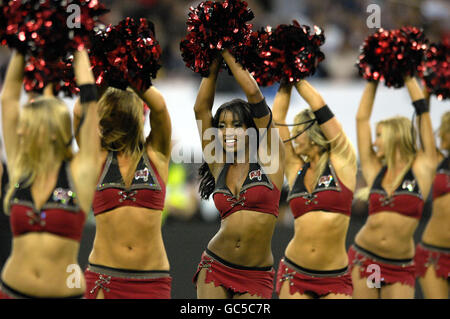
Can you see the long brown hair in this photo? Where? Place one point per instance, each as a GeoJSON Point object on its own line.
{"type": "Point", "coordinates": [121, 124]}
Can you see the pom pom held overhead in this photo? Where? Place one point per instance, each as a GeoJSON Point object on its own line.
{"type": "Point", "coordinates": [48, 29]}
{"type": "Point", "coordinates": [213, 26]}
{"type": "Point", "coordinates": [126, 54]}
{"type": "Point", "coordinates": [287, 53]}
{"type": "Point", "coordinates": [435, 70]}
{"type": "Point", "coordinates": [390, 55]}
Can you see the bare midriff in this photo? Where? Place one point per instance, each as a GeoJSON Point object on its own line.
{"type": "Point", "coordinates": [437, 231]}
{"type": "Point", "coordinates": [44, 265]}
{"type": "Point", "coordinates": [129, 238]}
{"type": "Point", "coordinates": [388, 234]}
{"type": "Point", "coordinates": [319, 241]}
{"type": "Point", "coordinates": [245, 238]}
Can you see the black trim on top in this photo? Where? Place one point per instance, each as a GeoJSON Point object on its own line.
{"type": "Point", "coordinates": [299, 188]}
{"type": "Point", "coordinates": [221, 186]}
{"type": "Point", "coordinates": [401, 189]}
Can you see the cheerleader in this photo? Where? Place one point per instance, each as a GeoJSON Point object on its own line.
{"type": "Point", "coordinates": [400, 176]}
{"type": "Point", "coordinates": [50, 189]}
{"type": "Point", "coordinates": [128, 259]}
{"type": "Point", "coordinates": [238, 261]}
{"type": "Point", "coordinates": [321, 171]}
{"type": "Point", "coordinates": [433, 252]}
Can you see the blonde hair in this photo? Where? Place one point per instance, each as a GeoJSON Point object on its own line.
{"type": "Point", "coordinates": [44, 128]}
{"type": "Point", "coordinates": [399, 139]}
{"type": "Point", "coordinates": [121, 123]}
{"type": "Point", "coordinates": [316, 135]}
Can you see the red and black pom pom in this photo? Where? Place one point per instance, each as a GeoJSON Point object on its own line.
{"type": "Point", "coordinates": [126, 54]}
{"type": "Point", "coordinates": [390, 55]}
{"type": "Point", "coordinates": [213, 26]}
{"type": "Point", "coordinates": [60, 74]}
{"type": "Point", "coordinates": [249, 55]}
{"type": "Point", "coordinates": [287, 53]}
{"type": "Point", "coordinates": [47, 32]}
{"type": "Point", "coordinates": [435, 70]}
{"type": "Point", "coordinates": [49, 29]}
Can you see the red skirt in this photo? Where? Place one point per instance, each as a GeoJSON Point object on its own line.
{"type": "Point", "coordinates": [391, 270]}
{"type": "Point", "coordinates": [427, 255]}
{"type": "Point", "coordinates": [127, 284]}
{"type": "Point", "coordinates": [319, 283]}
{"type": "Point", "coordinates": [4, 293]}
{"type": "Point", "coordinates": [238, 279]}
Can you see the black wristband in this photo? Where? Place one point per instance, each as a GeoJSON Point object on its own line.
{"type": "Point", "coordinates": [260, 109]}
{"type": "Point", "coordinates": [324, 114]}
{"type": "Point", "coordinates": [88, 93]}
{"type": "Point", "coordinates": [421, 106]}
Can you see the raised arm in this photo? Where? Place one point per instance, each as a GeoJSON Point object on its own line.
{"type": "Point", "coordinates": [424, 119]}
{"type": "Point", "coordinates": [86, 166]}
{"type": "Point", "coordinates": [370, 164]}
{"type": "Point", "coordinates": [280, 110]}
{"type": "Point", "coordinates": [161, 127]}
{"type": "Point", "coordinates": [248, 85]}
{"type": "Point", "coordinates": [204, 104]}
{"type": "Point", "coordinates": [342, 153]}
{"type": "Point", "coordinates": [427, 97]}
{"type": "Point", "coordinates": [76, 119]}
{"type": "Point", "coordinates": [11, 104]}
{"type": "Point", "coordinates": [329, 125]}
{"type": "Point", "coordinates": [48, 90]}
{"type": "Point", "coordinates": [78, 113]}
{"type": "Point", "coordinates": [262, 117]}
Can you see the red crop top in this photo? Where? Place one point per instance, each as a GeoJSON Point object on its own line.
{"type": "Point", "coordinates": [257, 193]}
{"type": "Point", "coordinates": [329, 195]}
{"type": "Point", "coordinates": [146, 190]}
{"type": "Point", "coordinates": [60, 215]}
{"type": "Point", "coordinates": [441, 184]}
{"type": "Point", "coordinates": [406, 200]}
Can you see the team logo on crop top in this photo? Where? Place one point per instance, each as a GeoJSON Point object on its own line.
{"type": "Point", "coordinates": [142, 173]}
{"type": "Point", "coordinates": [409, 185]}
{"type": "Point", "coordinates": [62, 195]}
{"type": "Point", "coordinates": [255, 174]}
{"type": "Point", "coordinates": [325, 180]}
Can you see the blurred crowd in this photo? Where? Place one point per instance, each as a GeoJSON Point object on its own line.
{"type": "Point", "coordinates": [344, 23]}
